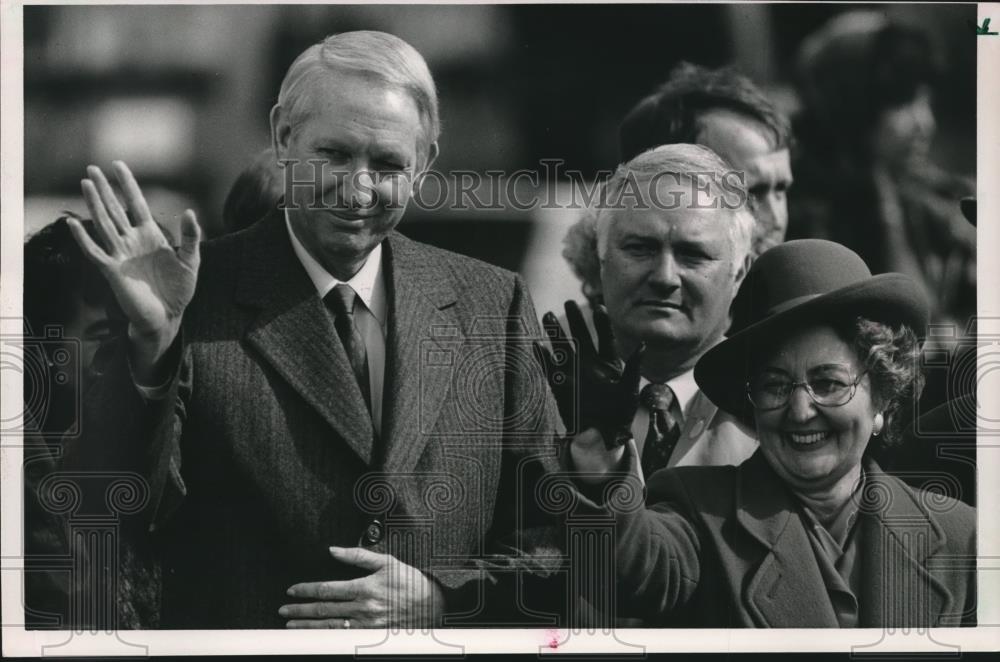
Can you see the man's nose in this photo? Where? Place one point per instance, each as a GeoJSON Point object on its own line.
{"type": "Point", "coordinates": [772, 212]}
{"type": "Point", "coordinates": [359, 187]}
{"type": "Point", "coordinates": [665, 272]}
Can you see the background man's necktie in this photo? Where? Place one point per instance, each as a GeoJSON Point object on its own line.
{"type": "Point", "coordinates": [341, 301]}
{"type": "Point", "coordinates": [664, 426]}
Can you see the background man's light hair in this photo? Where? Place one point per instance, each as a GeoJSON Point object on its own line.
{"type": "Point", "coordinates": [672, 163]}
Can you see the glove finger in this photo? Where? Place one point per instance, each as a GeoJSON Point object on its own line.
{"type": "Point", "coordinates": [578, 329]}
{"type": "Point", "coordinates": [631, 374]}
{"type": "Point", "coordinates": [605, 335]}
{"type": "Point", "coordinates": [553, 329]}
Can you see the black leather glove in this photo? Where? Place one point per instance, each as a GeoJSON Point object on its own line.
{"type": "Point", "coordinates": [593, 387]}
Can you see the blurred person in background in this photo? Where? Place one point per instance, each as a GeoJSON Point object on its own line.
{"type": "Point", "coordinates": [939, 445]}
{"type": "Point", "coordinates": [284, 372]}
{"type": "Point", "coordinates": [724, 111]}
{"type": "Point", "coordinates": [865, 177]}
{"type": "Point", "coordinates": [256, 192]}
{"type": "Point", "coordinates": [68, 307]}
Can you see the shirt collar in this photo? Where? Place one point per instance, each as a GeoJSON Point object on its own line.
{"type": "Point", "coordinates": [683, 386]}
{"type": "Point", "coordinates": [368, 283]}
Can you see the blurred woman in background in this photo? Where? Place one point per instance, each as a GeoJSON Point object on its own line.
{"type": "Point", "coordinates": [864, 177]}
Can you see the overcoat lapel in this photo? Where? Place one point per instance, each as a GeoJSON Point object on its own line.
{"type": "Point", "coordinates": [787, 589]}
{"type": "Point", "coordinates": [698, 418]}
{"type": "Point", "coordinates": [295, 335]}
{"type": "Point", "coordinates": [422, 321]}
{"type": "Point", "coordinates": [897, 539]}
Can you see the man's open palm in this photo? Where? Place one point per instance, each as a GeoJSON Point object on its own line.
{"type": "Point", "coordinates": [152, 282]}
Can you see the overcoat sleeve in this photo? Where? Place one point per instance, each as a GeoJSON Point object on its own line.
{"type": "Point", "coordinates": [657, 548]}
{"type": "Point", "coordinates": [124, 432]}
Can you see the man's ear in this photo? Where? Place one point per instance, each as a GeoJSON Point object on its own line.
{"type": "Point", "coordinates": [741, 273]}
{"type": "Point", "coordinates": [432, 153]}
{"type": "Point", "coordinates": [281, 131]}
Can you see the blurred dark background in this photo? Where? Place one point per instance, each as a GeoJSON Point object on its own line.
{"type": "Point", "coordinates": [182, 94]}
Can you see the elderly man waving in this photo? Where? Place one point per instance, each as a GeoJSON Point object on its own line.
{"type": "Point", "coordinates": [298, 394]}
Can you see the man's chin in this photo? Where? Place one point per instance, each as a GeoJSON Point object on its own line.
{"type": "Point", "coordinates": [661, 333]}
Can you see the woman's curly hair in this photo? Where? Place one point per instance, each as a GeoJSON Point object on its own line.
{"type": "Point", "coordinates": [891, 354]}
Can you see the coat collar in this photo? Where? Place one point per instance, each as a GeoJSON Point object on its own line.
{"type": "Point", "coordinates": [294, 333]}
{"type": "Point", "coordinates": [897, 538]}
{"type": "Point", "coordinates": [785, 588]}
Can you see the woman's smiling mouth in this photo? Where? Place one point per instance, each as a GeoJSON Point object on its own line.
{"type": "Point", "coordinates": [805, 439]}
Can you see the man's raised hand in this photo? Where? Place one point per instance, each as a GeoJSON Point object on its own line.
{"type": "Point", "coordinates": [152, 281]}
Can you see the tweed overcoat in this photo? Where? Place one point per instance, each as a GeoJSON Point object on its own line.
{"type": "Point", "coordinates": [263, 454]}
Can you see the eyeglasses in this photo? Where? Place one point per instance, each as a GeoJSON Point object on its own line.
{"type": "Point", "coordinates": [829, 386]}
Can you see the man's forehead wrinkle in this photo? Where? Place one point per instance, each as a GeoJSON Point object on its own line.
{"type": "Point", "coordinates": [671, 227]}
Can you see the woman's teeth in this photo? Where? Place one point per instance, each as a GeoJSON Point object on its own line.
{"type": "Point", "coordinates": [806, 438]}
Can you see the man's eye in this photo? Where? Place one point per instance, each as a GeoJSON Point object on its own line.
{"type": "Point", "coordinates": [637, 249]}
{"type": "Point", "coordinates": [693, 256]}
{"type": "Point", "coordinates": [335, 154]}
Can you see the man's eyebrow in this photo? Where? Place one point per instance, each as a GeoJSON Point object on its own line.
{"type": "Point", "coordinates": [633, 235]}
{"type": "Point", "coordinates": [391, 154]}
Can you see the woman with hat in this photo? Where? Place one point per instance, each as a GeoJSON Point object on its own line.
{"type": "Point", "coordinates": [808, 532]}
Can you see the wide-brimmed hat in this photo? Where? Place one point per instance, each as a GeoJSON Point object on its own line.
{"type": "Point", "coordinates": [803, 281]}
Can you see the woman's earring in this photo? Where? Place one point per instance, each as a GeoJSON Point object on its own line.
{"type": "Point", "coordinates": [878, 424]}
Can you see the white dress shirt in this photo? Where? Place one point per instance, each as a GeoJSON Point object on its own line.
{"type": "Point", "coordinates": [371, 310]}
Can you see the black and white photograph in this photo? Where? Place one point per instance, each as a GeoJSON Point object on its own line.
{"type": "Point", "coordinates": [535, 328]}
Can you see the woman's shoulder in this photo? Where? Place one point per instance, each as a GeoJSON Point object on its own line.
{"type": "Point", "coordinates": [956, 519]}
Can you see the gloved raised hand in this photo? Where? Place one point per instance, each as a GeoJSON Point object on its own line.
{"type": "Point", "coordinates": [592, 386]}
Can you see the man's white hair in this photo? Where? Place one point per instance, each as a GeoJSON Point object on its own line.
{"type": "Point", "coordinates": [677, 162]}
{"type": "Point", "coordinates": [376, 55]}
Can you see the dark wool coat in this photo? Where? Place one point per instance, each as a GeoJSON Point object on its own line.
{"type": "Point", "coordinates": [726, 547]}
{"type": "Point", "coordinates": [263, 454]}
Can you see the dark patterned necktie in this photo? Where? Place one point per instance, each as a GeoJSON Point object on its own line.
{"type": "Point", "coordinates": [341, 301]}
{"type": "Point", "coordinates": [664, 426]}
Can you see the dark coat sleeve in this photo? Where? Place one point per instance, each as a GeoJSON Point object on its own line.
{"type": "Point", "coordinates": [125, 434]}
{"type": "Point", "coordinates": [657, 547]}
